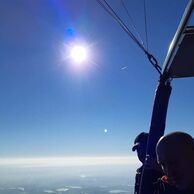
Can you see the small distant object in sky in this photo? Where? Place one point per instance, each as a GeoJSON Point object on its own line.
{"type": "Point", "coordinates": [123, 68]}
{"type": "Point", "coordinates": [105, 130]}
{"type": "Point", "coordinates": [78, 53]}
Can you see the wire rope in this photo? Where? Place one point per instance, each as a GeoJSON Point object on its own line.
{"type": "Point", "coordinates": [145, 21]}
{"type": "Point", "coordinates": [131, 20]}
{"type": "Point", "coordinates": [104, 4]}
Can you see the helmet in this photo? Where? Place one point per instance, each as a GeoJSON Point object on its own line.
{"type": "Point", "coordinates": [141, 138]}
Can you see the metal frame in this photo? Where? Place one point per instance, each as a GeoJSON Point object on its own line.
{"type": "Point", "coordinates": [174, 44]}
{"type": "Point", "coordinates": [163, 91]}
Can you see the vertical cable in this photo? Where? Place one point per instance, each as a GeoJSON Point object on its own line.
{"type": "Point", "coordinates": [131, 21]}
{"type": "Point", "coordinates": [145, 23]}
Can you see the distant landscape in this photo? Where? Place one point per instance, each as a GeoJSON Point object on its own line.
{"type": "Point", "coordinates": [69, 190]}
{"type": "Point", "coordinates": [97, 179]}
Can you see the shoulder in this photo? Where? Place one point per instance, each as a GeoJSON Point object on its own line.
{"type": "Point", "coordinates": [163, 187]}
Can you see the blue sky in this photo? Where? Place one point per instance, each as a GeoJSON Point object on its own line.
{"type": "Point", "coordinates": [48, 108]}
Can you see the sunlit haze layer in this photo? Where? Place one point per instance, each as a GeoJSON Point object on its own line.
{"type": "Point", "coordinates": [67, 175]}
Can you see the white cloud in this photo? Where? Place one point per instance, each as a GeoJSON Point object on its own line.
{"type": "Point", "coordinates": [62, 190]}
{"type": "Point", "coordinates": [68, 161]}
{"type": "Point", "coordinates": [20, 188]}
{"type": "Point", "coordinates": [16, 188]}
{"type": "Point", "coordinates": [48, 191]}
{"type": "Point", "coordinates": [118, 191]}
{"type": "Point", "coordinates": [83, 175]}
{"type": "Point", "coordinates": [74, 187]}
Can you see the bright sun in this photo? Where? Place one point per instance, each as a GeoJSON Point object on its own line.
{"type": "Point", "coordinates": [78, 54]}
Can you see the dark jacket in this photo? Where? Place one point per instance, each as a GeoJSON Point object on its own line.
{"type": "Point", "coordinates": [151, 175]}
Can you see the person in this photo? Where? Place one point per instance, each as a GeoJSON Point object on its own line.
{"type": "Point", "coordinates": [175, 155]}
{"type": "Point", "coordinates": [140, 145]}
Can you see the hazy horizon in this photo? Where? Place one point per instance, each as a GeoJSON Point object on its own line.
{"type": "Point", "coordinates": [67, 175]}
{"type": "Point", "coordinates": [53, 106]}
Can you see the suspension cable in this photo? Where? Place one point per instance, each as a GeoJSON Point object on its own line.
{"type": "Point", "coordinates": [145, 22]}
{"type": "Point", "coordinates": [111, 12]}
{"type": "Point", "coordinates": [131, 21]}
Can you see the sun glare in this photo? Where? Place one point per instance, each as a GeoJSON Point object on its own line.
{"type": "Point", "coordinates": [78, 54]}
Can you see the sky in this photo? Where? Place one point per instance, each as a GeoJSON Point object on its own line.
{"type": "Point", "coordinates": [52, 107]}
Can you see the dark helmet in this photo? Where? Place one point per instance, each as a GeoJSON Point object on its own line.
{"type": "Point", "coordinates": [142, 138]}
